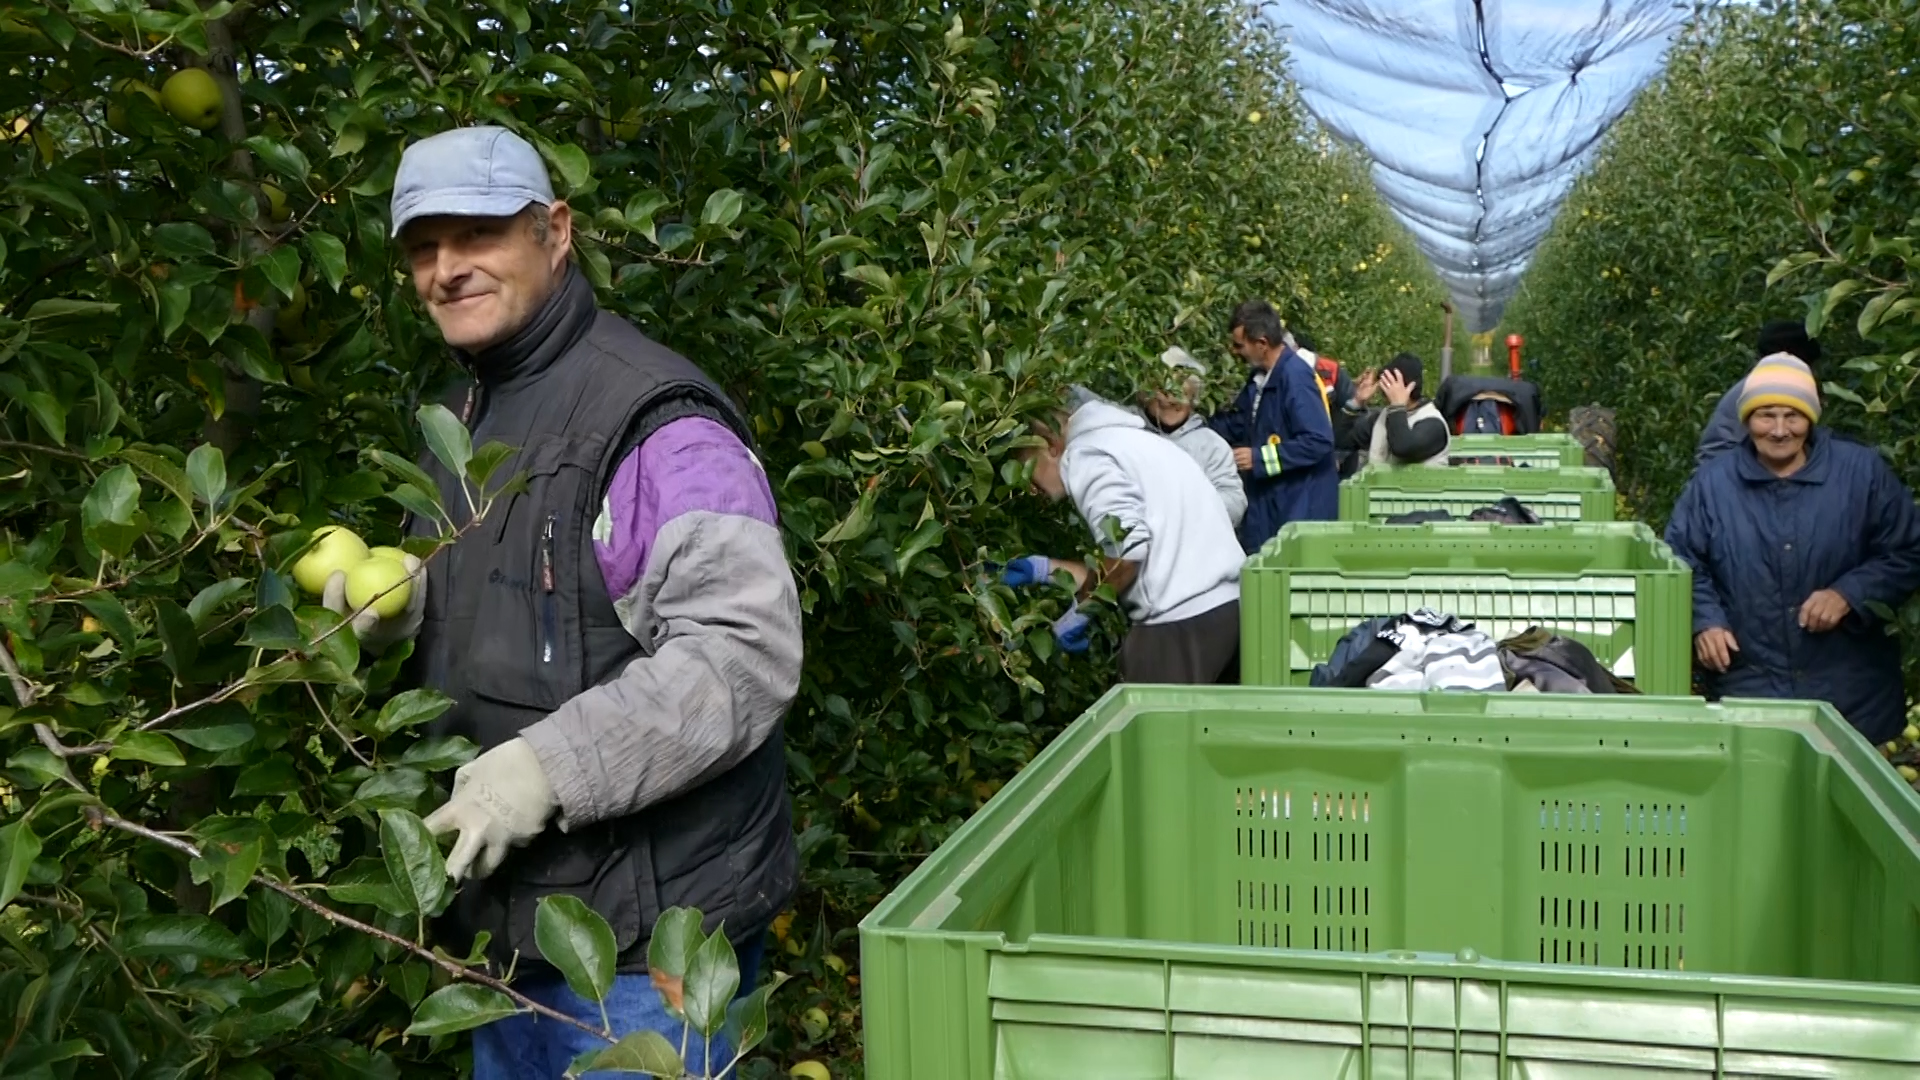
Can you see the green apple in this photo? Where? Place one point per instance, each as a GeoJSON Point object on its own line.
{"type": "Point", "coordinates": [368, 580]}
{"type": "Point", "coordinates": [193, 98]}
{"type": "Point", "coordinates": [384, 552]}
{"type": "Point", "coordinates": [335, 547]}
{"type": "Point", "coordinates": [276, 202]}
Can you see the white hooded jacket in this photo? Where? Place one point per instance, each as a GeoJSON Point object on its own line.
{"type": "Point", "coordinates": [1164, 511]}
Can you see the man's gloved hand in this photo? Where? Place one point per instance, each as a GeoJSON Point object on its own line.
{"type": "Point", "coordinates": [1074, 630]}
{"type": "Point", "coordinates": [501, 800]}
{"type": "Point", "coordinates": [1027, 570]}
{"type": "Point", "coordinates": [374, 632]}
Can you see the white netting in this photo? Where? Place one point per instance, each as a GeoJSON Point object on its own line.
{"type": "Point", "coordinates": [1478, 116]}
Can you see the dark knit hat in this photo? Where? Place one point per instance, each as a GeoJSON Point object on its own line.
{"type": "Point", "coordinates": [1410, 368]}
{"type": "Point", "coordinates": [1788, 336]}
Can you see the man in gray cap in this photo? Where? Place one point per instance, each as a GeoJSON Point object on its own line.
{"type": "Point", "coordinates": [621, 639]}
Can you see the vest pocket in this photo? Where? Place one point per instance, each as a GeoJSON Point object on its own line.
{"type": "Point", "coordinates": [597, 867]}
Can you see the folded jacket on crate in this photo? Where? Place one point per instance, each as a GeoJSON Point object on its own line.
{"type": "Point", "coordinates": [1559, 665]}
{"type": "Point", "coordinates": [1508, 511]}
{"type": "Point", "coordinates": [1422, 650]}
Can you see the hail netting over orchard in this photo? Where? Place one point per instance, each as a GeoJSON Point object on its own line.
{"type": "Point", "coordinates": [1478, 116]}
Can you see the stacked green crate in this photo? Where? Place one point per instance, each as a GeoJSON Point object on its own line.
{"type": "Point", "coordinates": [1614, 587]}
{"type": "Point", "coordinates": [1576, 494]}
{"type": "Point", "coordinates": [1329, 885]}
{"type": "Point", "coordinates": [1546, 451]}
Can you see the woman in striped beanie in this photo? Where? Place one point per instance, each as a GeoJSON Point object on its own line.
{"type": "Point", "coordinates": [1799, 540]}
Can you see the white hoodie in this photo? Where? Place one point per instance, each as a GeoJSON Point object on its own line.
{"type": "Point", "coordinates": [1168, 516]}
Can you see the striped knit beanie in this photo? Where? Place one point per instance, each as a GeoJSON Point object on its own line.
{"type": "Point", "coordinates": [1781, 379]}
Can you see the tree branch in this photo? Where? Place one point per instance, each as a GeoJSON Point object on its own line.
{"type": "Point", "coordinates": [99, 818]}
{"type": "Point", "coordinates": [22, 689]}
{"type": "Point", "coordinates": [400, 35]}
{"type": "Point", "coordinates": [328, 720]}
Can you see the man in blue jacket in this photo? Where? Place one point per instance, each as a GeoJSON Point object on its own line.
{"type": "Point", "coordinates": [1280, 430]}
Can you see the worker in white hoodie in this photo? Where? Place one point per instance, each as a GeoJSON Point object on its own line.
{"type": "Point", "coordinates": [1170, 552]}
{"type": "Point", "coordinates": [1171, 410]}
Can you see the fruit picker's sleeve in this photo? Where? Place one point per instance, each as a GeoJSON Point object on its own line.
{"type": "Point", "coordinates": [1110, 500]}
{"type": "Point", "coordinates": [1688, 533]}
{"type": "Point", "coordinates": [1890, 571]}
{"type": "Point", "coordinates": [1307, 430]}
{"type": "Point", "coordinates": [689, 544]}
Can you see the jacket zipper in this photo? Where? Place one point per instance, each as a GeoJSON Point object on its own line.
{"type": "Point", "coordinates": [547, 615]}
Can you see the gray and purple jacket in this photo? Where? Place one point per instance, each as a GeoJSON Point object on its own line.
{"type": "Point", "coordinates": [631, 614]}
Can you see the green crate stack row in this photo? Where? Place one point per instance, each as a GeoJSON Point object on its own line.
{"type": "Point", "coordinates": [1275, 881]}
{"type": "Point", "coordinates": [1550, 450]}
{"type": "Point", "coordinates": [1554, 495]}
{"type": "Point", "coordinates": [1248, 883]}
{"type": "Point", "coordinates": [1614, 587]}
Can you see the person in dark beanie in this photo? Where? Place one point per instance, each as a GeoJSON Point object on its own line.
{"type": "Point", "coordinates": [1725, 431]}
{"type": "Point", "coordinates": [1410, 431]}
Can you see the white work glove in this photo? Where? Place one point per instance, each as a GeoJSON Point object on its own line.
{"type": "Point", "coordinates": [501, 800]}
{"type": "Point", "coordinates": [375, 633]}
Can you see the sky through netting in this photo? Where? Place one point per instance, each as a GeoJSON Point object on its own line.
{"type": "Point", "coordinates": [1479, 117]}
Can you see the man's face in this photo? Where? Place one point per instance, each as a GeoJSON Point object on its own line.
{"type": "Point", "coordinates": [1046, 472]}
{"type": "Point", "coordinates": [483, 278]}
{"type": "Point", "coordinates": [1257, 353]}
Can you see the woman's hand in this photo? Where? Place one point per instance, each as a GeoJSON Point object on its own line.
{"type": "Point", "coordinates": [1715, 647]}
{"type": "Point", "coordinates": [1394, 385]}
{"type": "Point", "coordinates": [1823, 611]}
{"type": "Point", "coordinates": [1364, 388]}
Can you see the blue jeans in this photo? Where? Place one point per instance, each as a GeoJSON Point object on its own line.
{"type": "Point", "coordinates": [532, 1047]}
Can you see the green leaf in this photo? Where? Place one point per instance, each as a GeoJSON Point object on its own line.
{"type": "Point", "coordinates": [447, 437]}
{"type": "Point", "coordinates": [723, 208]}
{"type": "Point", "coordinates": [439, 753]}
{"type": "Point", "coordinates": [34, 1060]}
{"type": "Point", "coordinates": [411, 708]}
{"type": "Point", "coordinates": [282, 267]}
{"type": "Point", "coordinates": [229, 866]}
{"type": "Point", "coordinates": [1785, 267]}
{"type": "Point", "coordinates": [413, 861]}
{"type": "Point", "coordinates": [207, 472]}
{"type": "Point", "coordinates": [711, 981]}
{"type": "Point", "coordinates": [106, 514]}
{"type": "Point", "coordinates": [162, 471]}
{"type": "Point", "coordinates": [576, 940]}
{"type": "Point", "coordinates": [216, 738]}
{"type": "Point", "coordinates": [392, 789]}
{"type": "Point", "coordinates": [19, 579]}
{"type": "Point", "coordinates": [676, 938]}
{"type": "Point", "coordinates": [56, 309]}
{"type": "Point", "coordinates": [182, 240]}
{"type": "Point", "coordinates": [274, 776]}
{"type": "Point", "coordinates": [329, 256]}
{"type": "Point", "coordinates": [834, 245]}
{"type": "Point", "coordinates": [572, 163]}
{"type": "Point", "coordinates": [177, 935]}
{"type": "Point", "coordinates": [460, 1007]}
{"type": "Point", "coordinates": [274, 629]}
{"type": "Point", "coordinates": [366, 881]}
{"type": "Point", "coordinates": [487, 461]}
{"type": "Point", "coordinates": [747, 1017]}
{"type": "Point", "coordinates": [854, 525]}
{"type": "Point", "coordinates": [18, 848]}
{"type": "Point", "coordinates": [283, 158]}
{"type": "Point", "coordinates": [641, 209]}
{"type": "Point", "coordinates": [269, 915]}
{"type": "Point", "coordinates": [113, 615]}
{"type": "Point", "coordinates": [406, 470]}
{"type": "Point", "coordinates": [179, 636]}
{"type": "Point", "coordinates": [645, 1052]}
{"type": "Point", "coordinates": [148, 746]}
{"type": "Point", "coordinates": [214, 597]}
{"type": "Point", "coordinates": [418, 502]}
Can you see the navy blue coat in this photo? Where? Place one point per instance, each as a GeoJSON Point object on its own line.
{"type": "Point", "coordinates": [1760, 545]}
{"type": "Point", "coordinates": [1289, 430]}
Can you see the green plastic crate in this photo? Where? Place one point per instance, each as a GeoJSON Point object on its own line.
{"type": "Point", "coordinates": [1551, 450]}
{"type": "Point", "coordinates": [1615, 587]}
{"type": "Point", "coordinates": [1246, 884]}
{"type": "Point", "coordinates": [1552, 494]}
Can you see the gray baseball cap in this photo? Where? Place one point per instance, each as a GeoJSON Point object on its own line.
{"type": "Point", "coordinates": [469, 172]}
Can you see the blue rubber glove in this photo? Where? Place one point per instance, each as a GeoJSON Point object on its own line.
{"type": "Point", "coordinates": [1027, 570]}
{"type": "Point", "coordinates": [1074, 631]}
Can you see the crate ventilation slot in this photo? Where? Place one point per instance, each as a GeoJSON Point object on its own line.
{"type": "Point", "coordinates": [1316, 833]}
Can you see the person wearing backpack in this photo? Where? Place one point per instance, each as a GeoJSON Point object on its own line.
{"type": "Point", "coordinates": [1281, 431]}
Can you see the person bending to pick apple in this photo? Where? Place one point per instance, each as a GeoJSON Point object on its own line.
{"type": "Point", "coordinates": [621, 638]}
